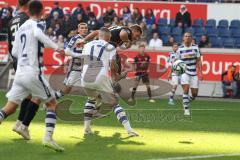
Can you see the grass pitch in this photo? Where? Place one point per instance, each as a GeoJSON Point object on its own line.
{"type": "Point", "coordinates": [212, 131]}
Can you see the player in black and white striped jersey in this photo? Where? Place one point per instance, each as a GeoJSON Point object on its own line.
{"type": "Point", "coordinates": [175, 79]}
{"type": "Point", "coordinates": [190, 54]}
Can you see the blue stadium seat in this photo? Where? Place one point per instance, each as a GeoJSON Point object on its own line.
{"type": "Point", "coordinates": [235, 24]}
{"type": "Point", "coordinates": [172, 23]}
{"type": "Point", "coordinates": [212, 32]}
{"type": "Point", "coordinates": [197, 38]}
{"type": "Point", "coordinates": [164, 30]}
{"type": "Point", "coordinates": [162, 22]}
{"type": "Point", "coordinates": [223, 23]}
{"type": "Point", "coordinates": [224, 32]}
{"type": "Point", "coordinates": [190, 29]}
{"type": "Point", "coordinates": [164, 38]}
{"type": "Point", "coordinates": [237, 43]}
{"type": "Point", "coordinates": [217, 43]}
{"type": "Point", "coordinates": [176, 31]}
{"type": "Point", "coordinates": [211, 23]}
{"type": "Point", "coordinates": [198, 23]}
{"type": "Point", "coordinates": [200, 31]}
{"type": "Point", "coordinates": [228, 43]}
{"type": "Point", "coordinates": [236, 33]}
{"type": "Point", "coordinates": [178, 38]}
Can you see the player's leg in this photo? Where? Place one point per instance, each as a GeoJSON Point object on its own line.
{"type": "Point", "coordinates": [136, 83]}
{"type": "Point", "coordinates": [146, 81]}
{"type": "Point", "coordinates": [89, 109]}
{"type": "Point", "coordinates": [22, 129]}
{"type": "Point", "coordinates": [194, 87]}
{"type": "Point", "coordinates": [26, 116]}
{"type": "Point", "coordinates": [50, 122]}
{"type": "Point", "coordinates": [175, 82]}
{"type": "Point", "coordinates": [40, 89]}
{"type": "Point", "coordinates": [110, 100]}
{"type": "Point", "coordinates": [69, 81]}
{"type": "Point", "coordinates": [21, 115]}
{"type": "Point", "coordinates": [7, 110]}
{"type": "Point", "coordinates": [185, 80]}
{"type": "Point", "coordinates": [15, 96]}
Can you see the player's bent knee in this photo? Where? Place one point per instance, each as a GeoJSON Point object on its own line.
{"type": "Point", "coordinates": [10, 107]}
{"type": "Point", "coordinates": [36, 101]}
{"type": "Point", "coordinates": [51, 104]}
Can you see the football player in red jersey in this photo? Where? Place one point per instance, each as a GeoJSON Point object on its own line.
{"type": "Point", "coordinates": [141, 64]}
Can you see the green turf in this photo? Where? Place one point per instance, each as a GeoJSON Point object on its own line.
{"type": "Point", "coordinates": [213, 129]}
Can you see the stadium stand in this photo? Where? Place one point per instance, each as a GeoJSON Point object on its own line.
{"type": "Point", "coordinates": [223, 33]}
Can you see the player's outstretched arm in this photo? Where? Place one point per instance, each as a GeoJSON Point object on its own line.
{"type": "Point", "coordinates": [69, 52]}
{"type": "Point", "coordinates": [38, 33]}
{"type": "Point", "coordinates": [89, 37]}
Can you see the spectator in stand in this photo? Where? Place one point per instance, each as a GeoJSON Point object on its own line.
{"type": "Point", "coordinates": [57, 30]}
{"type": "Point", "coordinates": [92, 23]}
{"type": "Point", "coordinates": [116, 21]}
{"type": "Point", "coordinates": [78, 20]}
{"type": "Point", "coordinates": [183, 18]}
{"type": "Point", "coordinates": [110, 14]}
{"type": "Point", "coordinates": [126, 16]}
{"type": "Point", "coordinates": [229, 81]}
{"type": "Point", "coordinates": [107, 22]}
{"type": "Point", "coordinates": [70, 35]}
{"type": "Point", "coordinates": [89, 12]}
{"type": "Point", "coordinates": [6, 16]}
{"type": "Point", "coordinates": [60, 41]}
{"type": "Point", "coordinates": [170, 41]}
{"type": "Point", "coordinates": [67, 25]}
{"type": "Point", "coordinates": [149, 18]}
{"type": "Point", "coordinates": [79, 10]}
{"type": "Point", "coordinates": [155, 42]}
{"type": "Point", "coordinates": [204, 43]}
{"type": "Point", "coordinates": [55, 20]}
{"type": "Point", "coordinates": [194, 41]}
{"type": "Point", "coordinates": [57, 8]}
{"type": "Point", "coordinates": [137, 16]}
{"type": "Point", "coordinates": [47, 18]}
{"type": "Point", "coordinates": [50, 34]}
{"type": "Point", "coordinates": [154, 29]}
{"type": "Point", "coordinates": [145, 32]}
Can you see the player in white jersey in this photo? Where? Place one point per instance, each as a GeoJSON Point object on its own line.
{"type": "Point", "coordinates": [190, 54]}
{"type": "Point", "coordinates": [28, 78]}
{"type": "Point", "coordinates": [99, 56]}
{"type": "Point", "coordinates": [175, 79]}
{"type": "Point", "coordinates": [75, 69]}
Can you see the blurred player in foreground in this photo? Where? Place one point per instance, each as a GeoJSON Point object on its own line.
{"type": "Point", "coordinates": [96, 81]}
{"type": "Point", "coordinates": [141, 65]}
{"type": "Point", "coordinates": [27, 48]}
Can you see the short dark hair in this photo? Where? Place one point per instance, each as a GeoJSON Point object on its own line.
{"type": "Point", "coordinates": [105, 29]}
{"type": "Point", "coordinates": [23, 2]}
{"type": "Point", "coordinates": [35, 7]}
{"type": "Point", "coordinates": [137, 28]}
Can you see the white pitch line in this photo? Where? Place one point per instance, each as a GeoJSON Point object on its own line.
{"type": "Point", "coordinates": [199, 157]}
{"type": "Point", "coordinates": [152, 109]}
{"type": "Point", "coordinates": [165, 109]}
